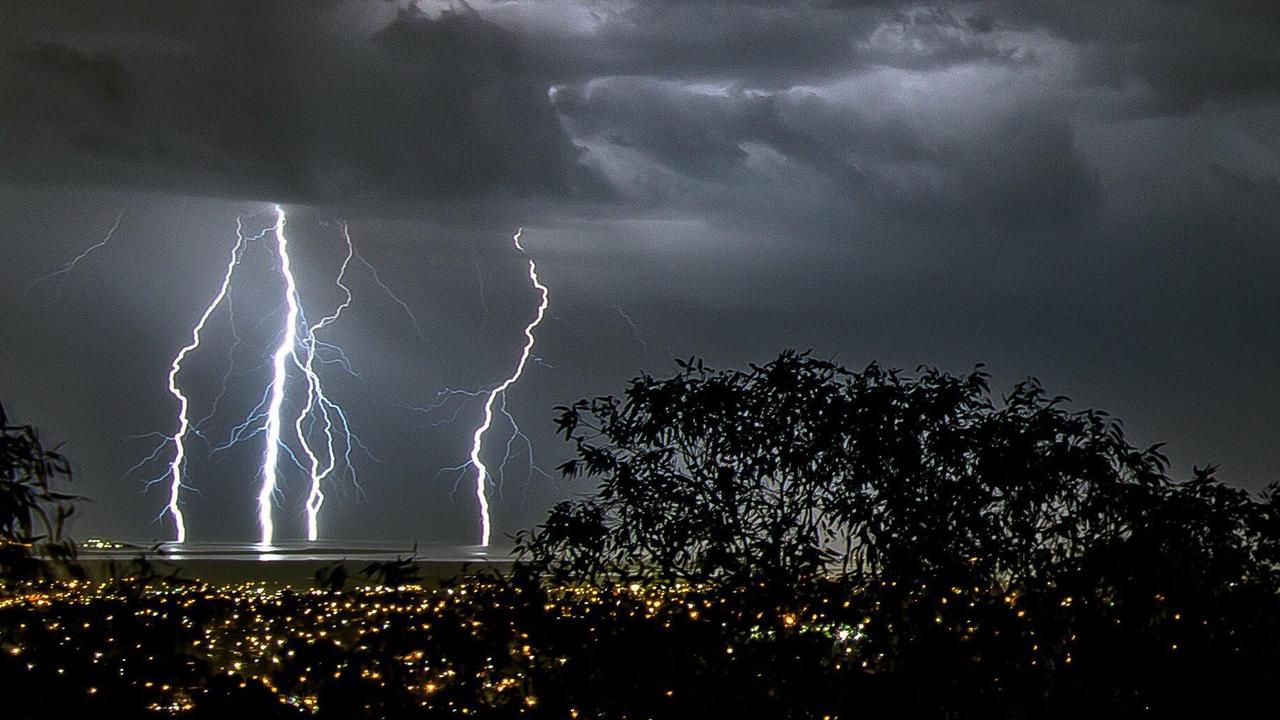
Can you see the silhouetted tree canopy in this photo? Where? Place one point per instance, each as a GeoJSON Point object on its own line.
{"type": "Point", "coordinates": [800, 469]}
{"type": "Point", "coordinates": [32, 510]}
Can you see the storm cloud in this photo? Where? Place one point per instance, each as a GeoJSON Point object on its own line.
{"type": "Point", "coordinates": [267, 98]}
{"type": "Point", "coordinates": [967, 111]}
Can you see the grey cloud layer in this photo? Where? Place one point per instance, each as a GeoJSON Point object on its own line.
{"type": "Point", "coordinates": [1180, 55]}
{"type": "Point", "coordinates": [964, 111]}
{"type": "Point", "coordinates": [1012, 166]}
{"type": "Point", "coordinates": [258, 100]}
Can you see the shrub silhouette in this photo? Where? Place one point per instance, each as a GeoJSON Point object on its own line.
{"type": "Point", "coordinates": [970, 557]}
{"type": "Point", "coordinates": [799, 469]}
{"type": "Point", "coordinates": [33, 512]}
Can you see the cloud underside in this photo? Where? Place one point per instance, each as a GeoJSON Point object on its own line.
{"type": "Point", "coordinates": [978, 113]}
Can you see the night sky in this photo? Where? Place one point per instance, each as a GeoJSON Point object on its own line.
{"type": "Point", "coordinates": [1086, 193]}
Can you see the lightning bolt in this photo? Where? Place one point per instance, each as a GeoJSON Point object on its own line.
{"type": "Point", "coordinates": [445, 397]}
{"type": "Point", "coordinates": [284, 352]}
{"type": "Point", "coordinates": [65, 269]}
{"type": "Point", "coordinates": [298, 346]}
{"type": "Point", "coordinates": [318, 401]}
{"type": "Point", "coordinates": [178, 464]}
{"type": "Point", "coordinates": [477, 440]}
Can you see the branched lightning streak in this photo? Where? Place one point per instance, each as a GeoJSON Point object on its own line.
{"type": "Point", "coordinates": [177, 464]}
{"type": "Point", "coordinates": [297, 346]}
{"type": "Point", "coordinates": [477, 440]}
{"type": "Point", "coordinates": [445, 397]}
{"type": "Point", "coordinates": [317, 401]}
{"type": "Point", "coordinates": [65, 269]}
{"type": "Point", "coordinates": [284, 352]}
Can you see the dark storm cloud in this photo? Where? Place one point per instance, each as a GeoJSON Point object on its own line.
{"type": "Point", "coordinates": [694, 133]}
{"type": "Point", "coordinates": [1256, 191]}
{"type": "Point", "coordinates": [1183, 53]}
{"type": "Point", "coordinates": [465, 117]}
{"type": "Point", "coordinates": [1015, 166]}
{"type": "Point", "coordinates": [763, 44]}
{"type": "Point", "coordinates": [253, 99]}
{"type": "Point", "coordinates": [32, 73]}
{"type": "Point", "coordinates": [282, 100]}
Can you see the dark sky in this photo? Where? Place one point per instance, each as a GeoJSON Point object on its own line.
{"type": "Point", "coordinates": [1084, 192]}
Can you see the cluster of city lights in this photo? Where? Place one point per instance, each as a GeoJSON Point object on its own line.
{"type": "Point", "coordinates": [422, 644]}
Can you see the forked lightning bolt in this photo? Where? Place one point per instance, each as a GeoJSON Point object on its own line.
{"type": "Point", "coordinates": [322, 439]}
{"type": "Point", "coordinates": [299, 347]}
{"type": "Point", "coordinates": [318, 402]}
{"type": "Point", "coordinates": [280, 372]}
{"type": "Point", "coordinates": [178, 464]}
{"type": "Point", "coordinates": [477, 440]}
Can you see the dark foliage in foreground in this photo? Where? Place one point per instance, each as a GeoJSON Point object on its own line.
{"type": "Point", "coordinates": [794, 541]}
{"type": "Point", "coordinates": [33, 509]}
{"type": "Point", "coordinates": [800, 469]}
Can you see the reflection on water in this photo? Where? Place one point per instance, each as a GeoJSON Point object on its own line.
{"type": "Point", "coordinates": [306, 551]}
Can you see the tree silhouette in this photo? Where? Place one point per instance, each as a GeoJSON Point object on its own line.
{"type": "Point", "coordinates": [394, 573]}
{"type": "Point", "coordinates": [800, 469]}
{"type": "Point", "coordinates": [332, 577]}
{"type": "Point", "coordinates": [32, 512]}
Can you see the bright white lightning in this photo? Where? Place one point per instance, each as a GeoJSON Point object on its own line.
{"type": "Point", "coordinates": [477, 440]}
{"type": "Point", "coordinates": [301, 348]}
{"type": "Point", "coordinates": [65, 269]}
{"type": "Point", "coordinates": [177, 464]}
{"type": "Point", "coordinates": [280, 360]}
{"type": "Point", "coordinates": [318, 402]}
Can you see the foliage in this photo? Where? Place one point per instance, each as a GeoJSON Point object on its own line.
{"type": "Point", "coordinates": [332, 577]}
{"type": "Point", "coordinates": [33, 512]}
{"type": "Point", "coordinates": [800, 469]}
{"type": "Point", "coordinates": [395, 573]}
{"type": "Point", "coordinates": [143, 573]}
